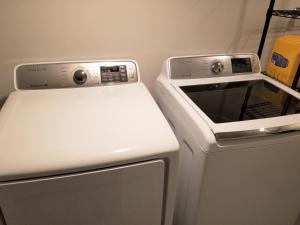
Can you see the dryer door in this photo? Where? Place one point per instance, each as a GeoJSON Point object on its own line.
{"type": "Point", "coordinates": [127, 195]}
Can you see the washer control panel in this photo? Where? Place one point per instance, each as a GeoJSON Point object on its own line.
{"type": "Point", "coordinates": [213, 66]}
{"type": "Point", "coordinates": [75, 74]}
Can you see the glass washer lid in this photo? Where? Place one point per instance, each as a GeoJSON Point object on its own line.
{"type": "Point", "coordinates": [242, 100]}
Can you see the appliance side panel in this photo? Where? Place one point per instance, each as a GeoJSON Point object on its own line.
{"type": "Point", "coordinates": [192, 157]}
{"type": "Point", "coordinates": [253, 186]}
{"type": "Point", "coordinates": [127, 195]}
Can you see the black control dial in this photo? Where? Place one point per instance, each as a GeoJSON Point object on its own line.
{"type": "Point", "coordinates": [80, 77]}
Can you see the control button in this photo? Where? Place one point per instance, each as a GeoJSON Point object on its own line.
{"type": "Point", "coordinates": [217, 67]}
{"type": "Point", "coordinates": [131, 75]}
{"type": "Point", "coordinates": [117, 76]}
{"type": "Point", "coordinates": [80, 77]}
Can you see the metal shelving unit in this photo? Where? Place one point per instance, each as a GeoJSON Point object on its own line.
{"type": "Point", "coordinates": [292, 14]}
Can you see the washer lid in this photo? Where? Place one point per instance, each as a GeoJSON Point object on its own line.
{"type": "Point", "coordinates": [44, 132]}
{"type": "Point", "coordinates": [242, 100]}
{"type": "Point", "coordinates": [247, 116]}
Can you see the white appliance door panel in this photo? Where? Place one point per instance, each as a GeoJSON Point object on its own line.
{"type": "Point", "coordinates": [253, 186]}
{"type": "Point", "coordinates": [127, 195]}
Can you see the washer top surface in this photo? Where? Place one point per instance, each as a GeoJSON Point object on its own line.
{"type": "Point", "coordinates": [232, 97]}
{"type": "Point", "coordinates": [45, 132]}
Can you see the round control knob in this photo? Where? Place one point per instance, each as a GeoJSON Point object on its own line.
{"type": "Point", "coordinates": [217, 67]}
{"type": "Point", "coordinates": [80, 77]}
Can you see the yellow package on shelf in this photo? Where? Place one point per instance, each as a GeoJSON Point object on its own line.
{"type": "Point", "coordinates": [285, 59]}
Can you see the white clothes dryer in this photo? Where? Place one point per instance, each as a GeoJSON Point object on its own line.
{"type": "Point", "coordinates": [84, 143]}
{"type": "Point", "coordinates": [238, 129]}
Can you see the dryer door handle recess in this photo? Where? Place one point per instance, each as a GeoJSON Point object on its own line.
{"type": "Point", "coordinates": [2, 219]}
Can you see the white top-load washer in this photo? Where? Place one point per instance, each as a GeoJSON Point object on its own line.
{"type": "Point", "coordinates": [84, 143]}
{"type": "Point", "coordinates": [239, 161]}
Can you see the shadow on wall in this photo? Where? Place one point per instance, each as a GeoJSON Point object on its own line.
{"type": "Point", "coordinates": [239, 31]}
{"type": "Point", "coordinates": [2, 100]}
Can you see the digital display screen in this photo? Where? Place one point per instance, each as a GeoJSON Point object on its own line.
{"type": "Point", "coordinates": [113, 74]}
{"type": "Point", "coordinates": [112, 69]}
{"type": "Point", "coordinates": [241, 65]}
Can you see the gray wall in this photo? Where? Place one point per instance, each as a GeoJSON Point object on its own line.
{"type": "Point", "coordinates": [148, 31]}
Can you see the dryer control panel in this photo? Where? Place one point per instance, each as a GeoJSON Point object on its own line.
{"type": "Point", "coordinates": [193, 67]}
{"type": "Point", "coordinates": [75, 74]}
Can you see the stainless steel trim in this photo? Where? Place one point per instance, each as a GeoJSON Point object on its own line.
{"type": "Point", "coordinates": [262, 132]}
